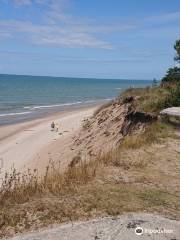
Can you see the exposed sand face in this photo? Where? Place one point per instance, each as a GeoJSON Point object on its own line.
{"type": "Point", "coordinates": [32, 145]}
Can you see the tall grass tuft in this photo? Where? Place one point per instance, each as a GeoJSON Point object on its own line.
{"type": "Point", "coordinates": [20, 187]}
{"type": "Point", "coordinates": [152, 134]}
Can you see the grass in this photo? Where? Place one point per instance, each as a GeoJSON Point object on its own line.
{"type": "Point", "coordinates": [150, 99]}
{"type": "Point", "coordinates": [121, 180]}
{"type": "Point", "coordinates": [85, 202]}
{"type": "Point", "coordinates": [154, 99]}
{"type": "Point", "coordinates": [120, 159]}
{"type": "Point", "coordinates": [19, 188]}
{"type": "Point", "coordinates": [86, 189]}
{"type": "Point", "coordinates": [154, 197]}
{"type": "Point", "coordinates": [152, 134]}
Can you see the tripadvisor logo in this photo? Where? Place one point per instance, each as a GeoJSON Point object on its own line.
{"type": "Point", "coordinates": [138, 231]}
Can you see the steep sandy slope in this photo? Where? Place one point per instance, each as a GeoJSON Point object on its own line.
{"type": "Point", "coordinates": [105, 130]}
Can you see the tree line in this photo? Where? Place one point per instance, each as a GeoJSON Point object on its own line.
{"type": "Point", "coordinates": [173, 74]}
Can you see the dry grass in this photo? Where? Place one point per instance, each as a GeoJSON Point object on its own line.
{"type": "Point", "coordinates": [121, 159]}
{"type": "Point", "coordinates": [85, 190]}
{"type": "Point", "coordinates": [152, 134]}
{"type": "Point", "coordinates": [85, 202]}
{"type": "Point", "coordinates": [150, 99]}
{"type": "Point", "coordinates": [19, 188]}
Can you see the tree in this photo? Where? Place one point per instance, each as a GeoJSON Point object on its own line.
{"type": "Point", "coordinates": [177, 48]}
{"type": "Point", "coordinates": [173, 74]}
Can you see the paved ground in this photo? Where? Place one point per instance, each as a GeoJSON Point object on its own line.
{"type": "Point", "coordinates": [173, 111]}
{"type": "Point", "coordinates": [119, 228]}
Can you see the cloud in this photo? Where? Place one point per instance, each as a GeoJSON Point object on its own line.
{"type": "Point", "coordinates": [57, 15]}
{"type": "Point", "coordinates": [59, 29]}
{"type": "Point", "coordinates": [165, 18]}
{"type": "Point", "coordinates": [15, 55]}
{"type": "Point", "coordinates": [22, 2]}
{"type": "Point", "coordinates": [27, 2]}
{"type": "Point", "coordinates": [51, 35]}
{"type": "Point", "coordinates": [4, 35]}
{"type": "Point", "coordinates": [68, 39]}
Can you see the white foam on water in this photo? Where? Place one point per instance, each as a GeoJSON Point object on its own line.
{"type": "Point", "coordinates": [89, 101]}
{"type": "Point", "coordinates": [52, 106]}
{"type": "Point", "coordinates": [64, 104]}
{"type": "Point", "coordinates": [14, 114]}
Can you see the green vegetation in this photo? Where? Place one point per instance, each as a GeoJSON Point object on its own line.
{"type": "Point", "coordinates": [167, 94]}
{"type": "Point", "coordinates": [149, 99]}
{"type": "Point", "coordinates": [173, 74]}
{"type": "Point", "coordinates": [177, 48]}
{"type": "Point", "coordinates": [155, 99]}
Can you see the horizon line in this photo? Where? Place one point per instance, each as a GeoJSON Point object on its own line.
{"type": "Point", "coordinates": [95, 78]}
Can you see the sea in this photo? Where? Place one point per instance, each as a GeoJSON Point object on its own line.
{"type": "Point", "coordinates": [24, 98]}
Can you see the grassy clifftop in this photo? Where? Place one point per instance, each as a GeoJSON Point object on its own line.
{"type": "Point", "coordinates": [154, 99]}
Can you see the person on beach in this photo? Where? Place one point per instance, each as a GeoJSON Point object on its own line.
{"type": "Point", "coordinates": [57, 127]}
{"type": "Point", "coordinates": [52, 126]}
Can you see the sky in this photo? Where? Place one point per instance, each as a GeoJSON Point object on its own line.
{"type": "Point", "coordinates": [130, 39]}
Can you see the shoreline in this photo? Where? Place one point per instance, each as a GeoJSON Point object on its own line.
{"type": "Point", "coordinates": [45, 112]}
{"type": "Point", "coordinates": [8, 129]}
{"type": "Point", "coordinates": [31, 144]}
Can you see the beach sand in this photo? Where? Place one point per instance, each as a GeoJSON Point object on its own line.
{"type": "Point", "coordinates": [32, 144]}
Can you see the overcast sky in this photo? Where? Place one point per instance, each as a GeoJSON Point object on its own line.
{"type": "Point", "coordinates": [88, 38]}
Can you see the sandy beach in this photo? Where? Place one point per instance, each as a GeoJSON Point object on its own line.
{"type": "Point", "coordinates": [32, 144]}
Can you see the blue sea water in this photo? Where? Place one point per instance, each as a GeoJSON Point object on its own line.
{"type": "Point", "coordinates": [24, 97]}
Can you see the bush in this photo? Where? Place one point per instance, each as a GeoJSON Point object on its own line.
{"type": "Point", "coordinates": [174, 97]}
{"type": "Point", "coordinates": [173, 75]}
